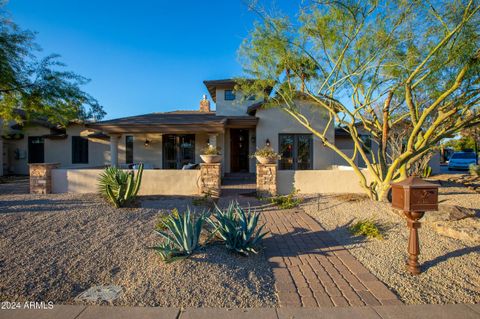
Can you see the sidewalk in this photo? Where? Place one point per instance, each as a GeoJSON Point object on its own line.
{"type": "Point", "coordinates": [469, 311]}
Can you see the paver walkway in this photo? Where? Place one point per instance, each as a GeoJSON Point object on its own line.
{"type": "Point", "coordinates": [312, 270]}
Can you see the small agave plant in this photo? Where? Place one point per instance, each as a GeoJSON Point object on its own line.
{"type": "Point", "coordinates": [181, 235]}
{"type": "Point", "coordinates": [237, 228]}
{"type": "Point", "coordinates": [120, 187]}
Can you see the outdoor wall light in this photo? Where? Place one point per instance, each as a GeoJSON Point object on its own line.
{"type": "Point", "coordinates": [253, 139]}
{"type": "Point", "coordinates": [267, 142]}
{"type": "Point", "coordinates": [147, 143]}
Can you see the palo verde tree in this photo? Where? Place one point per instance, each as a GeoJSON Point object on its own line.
{"type": "Point", "coordinates": [38, 88]}
{"type": "Point", "coordinates": [374, 66]}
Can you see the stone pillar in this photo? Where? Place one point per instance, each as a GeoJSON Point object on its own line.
{"type": "Point", "coordinates": [266, 179]}
{"type": "Point", "coordinates": [210, 179]}
{"type": "Point", "coordinates": [41, 177]}
{"type": "Point", "coordinates": [114, 150]}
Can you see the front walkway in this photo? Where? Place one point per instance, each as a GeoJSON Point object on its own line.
{"type": "Point", "coordinates": [312, 270]}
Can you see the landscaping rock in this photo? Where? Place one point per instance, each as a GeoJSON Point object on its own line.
{"type": "Point", "coordinates": [100, 294]}
{"type": "Point", "coordinates": [448, 213]}
{"type": "Point", "coordinates": [467, 229]}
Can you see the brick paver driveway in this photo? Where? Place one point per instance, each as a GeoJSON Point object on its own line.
{"type": "Point", "coordinates": [312, 270]}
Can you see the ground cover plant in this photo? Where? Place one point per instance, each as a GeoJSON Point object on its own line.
{"type": "Point", "coordinates": [120, 187]}
{"type": "Point", "coordinates": [287, 201]}
{"type": "Point", "coordinates": [367, 228]}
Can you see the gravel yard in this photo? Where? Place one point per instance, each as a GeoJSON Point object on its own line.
{"type": "Point", "coordinates": [451, 268]}
{"type": "Point", "coordinates": [54, 247]}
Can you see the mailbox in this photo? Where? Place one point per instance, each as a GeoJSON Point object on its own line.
{"type": "Point", "coordinates": [415, 195]}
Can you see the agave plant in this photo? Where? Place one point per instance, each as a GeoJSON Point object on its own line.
{"type": "Point", "coordinates": [237, 228]}
{"type": "Point", "coordinates": [181, 234]}
{"type": "Point", "coordinates": [120, 187]}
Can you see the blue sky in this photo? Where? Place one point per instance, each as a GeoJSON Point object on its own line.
{"type": "Point", "coordinates": [143, 56]}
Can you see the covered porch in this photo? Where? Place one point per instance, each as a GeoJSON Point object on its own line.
{"type": "Point", "coordinates": [175, 140]}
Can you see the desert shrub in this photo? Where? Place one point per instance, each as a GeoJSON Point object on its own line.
{"type": "Point", "coordinates": [120, 187]}
{"type": "Point", "coordinates": [474, 170]}
{"type": "Point", "coordinates": [237, 228]}
{"type": "Point", "coordinates": [367, 228]}
{"type": "Point", "coordinates": [287, 201]}
{"type": "Point", "coordinates": [181, 234]}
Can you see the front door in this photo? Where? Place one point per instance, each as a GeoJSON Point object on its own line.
{"type": "Point", "coordinates": [36, 151]}
{"type": "Point", "coordinates": [239, 150]}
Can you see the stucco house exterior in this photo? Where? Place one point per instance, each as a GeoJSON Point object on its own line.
{"type": "Point", "coordinates": [169, 140]}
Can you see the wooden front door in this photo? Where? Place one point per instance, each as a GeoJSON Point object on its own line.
{"type": "Point", "coordinates": [239, 150]}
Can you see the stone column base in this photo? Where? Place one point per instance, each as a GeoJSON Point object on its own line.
{"type": "Point", "coordinates": [41, 177]}
{"type": "Point", "coordinates": [267, 179]}
{"type": "Point", "coordinates": [210, 179]}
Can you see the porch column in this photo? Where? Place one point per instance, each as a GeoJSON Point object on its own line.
{"type": "Point", "coordinates": [1, 156]}
{"type": "Point", "coordinates": [114, 150]}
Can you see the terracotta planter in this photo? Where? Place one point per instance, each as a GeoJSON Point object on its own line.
{"type": "Point", "coordinates": [266, 160]}
{"type": "Point", "coordinates": [209, 159]}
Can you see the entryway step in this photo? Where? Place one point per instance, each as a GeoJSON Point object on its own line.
{"type": "Point", "coordinates": [239, 176]}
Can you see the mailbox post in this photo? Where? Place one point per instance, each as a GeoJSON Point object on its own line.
{"type": "Point", "coordinates": [414, 196]}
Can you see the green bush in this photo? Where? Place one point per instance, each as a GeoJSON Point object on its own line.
{"type": "Point", "coordinates": [474, 170]}
{"type": "Point", "coordinates": [367, 228]}
{"type": "Point", "coordinates": [120, 187]}
{"type": "Point", "coordinates": [287, 201]}
{"type": "Point", "coordinates": [237, 228]}
{"type": "Point", "coordinates": [181, 235]}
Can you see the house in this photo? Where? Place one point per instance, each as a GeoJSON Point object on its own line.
{"type": "Point", "coordinates": [238, 126]}
{"type": "Point", "coordinates": [170, 140]}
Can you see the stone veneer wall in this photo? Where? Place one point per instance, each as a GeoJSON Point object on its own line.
{"type": "Point", "coordinates": [267, 179]}
{"type": "Point", "coordinates": [41, 177]}
{"type": "Point", "coordinates": [210, 179]}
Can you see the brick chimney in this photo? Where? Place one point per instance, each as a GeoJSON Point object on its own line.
{"type": "Point", "coordinates": [204, 104]}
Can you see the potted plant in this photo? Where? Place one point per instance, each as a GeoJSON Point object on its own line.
{"type": "Point", "coordinates": [266, 155]}
{"type": "Point", "coordinates": [211, 154]}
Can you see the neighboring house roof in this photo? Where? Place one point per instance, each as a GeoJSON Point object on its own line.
{"type": "Point", "coordinates": [173, 122]}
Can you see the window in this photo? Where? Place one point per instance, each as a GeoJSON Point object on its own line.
{"type": "Point", "coordinates": [129, 149]}
{"type": "Point", "coordinates": [229, 95]}
{"type": "Point", "coordinates": [296, 151]}
{"type": "Point", "coordinates": [36, 149]}
{"type": "Point", "coordinates": [178, 150]}
{"type": "Point", "coordinates": [79, 150]}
